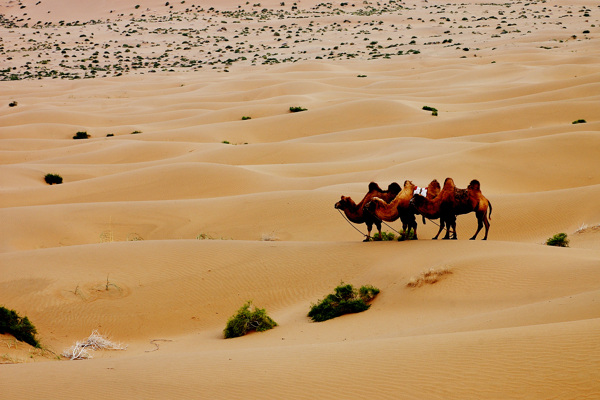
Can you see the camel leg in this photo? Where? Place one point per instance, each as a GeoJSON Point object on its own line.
{"type": "Point", "coordinates": [369, 228]}
{"type": "Point", "coordinates": [479, 226]}
{"type": "Point", "coordinates": [450, 225]}
{"type": "Point", "coordinates": [440, 230]}
{"type": "Point", "coordinates": [415, 230]}
{"type": "Point", "coordinates": [378, 225]}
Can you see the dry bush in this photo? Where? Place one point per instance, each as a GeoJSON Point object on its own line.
{"type": "Point", "coordinates": [429, 277]}
{"type": "Point", "coordinates": [95, 341]}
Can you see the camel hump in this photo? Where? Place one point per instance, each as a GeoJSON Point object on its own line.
{"type": "Point", "coordinates": [434, 185]}
{"type": "Point", "coordinates": [474, 185]}
{"type": "Point", "coordinates": [394, 188]}
{"type": "Point", "coordinates": [374, 187]}
{"type": "Point", "coordinates": [449, 183]}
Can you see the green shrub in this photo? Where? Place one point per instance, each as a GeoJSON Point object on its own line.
{"type": "Point", "coordinates": [579, 121]}
{"type": "Point", "coordinates": [410, 235]}
{"type": "Point", "coordinates": [52, 179]}
{"type": "Point", "coordinates": [560, 240]}
{"type": "Point", "coordinates": [361, 76]}
{"type": "Point", "coordinates": [20, 327]}
{"type": "Point", "coordinates": [12, 104]}
{"type": "Point", "coordinates": [385, 236]}
{"type": "Point", "coordinates": [246, 321]}
{"type": "Point", "coordinates": [344, 300]}
{"type": "Point", "coordinates": [81, 135]}
{"type": "Point", "coordinates": [244, 118]}
{"type": "Point", "coordinates": [136, 132]}
{"type": "Point", "coordinates": [433, 110]}
{"type": "Point", "coordinates": [297, 109]}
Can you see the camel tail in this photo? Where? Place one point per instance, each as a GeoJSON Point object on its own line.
{"type": "Point", "coordinates": [490, 203]}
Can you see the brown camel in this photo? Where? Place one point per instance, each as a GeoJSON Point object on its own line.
{"type": "Point", "coordinates": [451, 202]}
{"type": "Point", "coordinates": [355, 212]}
{"type": "Point", "coordinates": [399, 207]}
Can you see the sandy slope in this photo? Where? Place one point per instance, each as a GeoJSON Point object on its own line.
{"type": "Point", "coordinates": [156, 238]}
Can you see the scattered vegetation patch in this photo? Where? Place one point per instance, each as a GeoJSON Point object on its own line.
{"type": "Point", "coordinates": [12, 104]}
{"type": "Point", "coordinates": [344, 300]}
{"type": "Point", "coordinates": [20, 327]}
{"type": "Point", "coordinates": [52, 179]}
{"type": "Point", "coordinates": [433, 110]}
{"type": "Point", "coordinates": [559, 240]}
{"type": "Point", "coordinates": [404, 235]}
{"type": "Point", "coordinates": [297, 109]}
{"type": "Point", "coordinates": [579, 121]}
{"type": "Point", "coordinates": [385, 236]}
{"type": "Point", "coordinates": [136, 132]}
{"type": "Point", "coordinates": [244, 118]}
{"type": "Point", "coordinates": [247, 320]}
{"type": "Point", "coordinates": [429, 277]}
{"type": "Point", "coordinates": [81, 135]}
{"type": "Point", "coordinates": [361, 76]}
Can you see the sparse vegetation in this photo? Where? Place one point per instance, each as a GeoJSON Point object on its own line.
{"type": "Point", "coordinates": [244, 118]}
{"type": "Point", "coordinates": [410, 235]}
{"type": "Point", "coordinates": [20, 327]}
{"type": "Point", "coordinates": [344, 300]}
{"type": "Point", "coordinates": [579, 121]}
{"type": "Point", "coordinates": [247, 321]}
{"type": "Point", "coordinates": [81, 135]}
{"type": "Point", "coordinates": [12, 104]}
{"type": "Point", "coordinates": [429, 277]}
{"type": "Point", "coordinates": [559, 240]}
{"type": "Point", "coordinates": [52, 179]}
{"type": "Point", "coordinates": [385, 236]}
{"type": "Point", "coordinates": [297, 109]}
{"type": "Point", "coordinates": [433, 110]}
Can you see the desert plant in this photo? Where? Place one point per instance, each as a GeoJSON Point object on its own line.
{"type": "Point", "coordinates": [246, 321]}
{"type": "Point", "coordinates": [345, 300]}
{"type": "Point", "coordinates": [81, 135]}
{"type": "Point", "coordinates": [433, 110]}
{"type": "Point", "coordinates": [52, 179]}
{"type": "Point", "coordinates": [385, 236]}
{"type": "Point", "coordinates": [579, 121]}
{"type": "Point", "coordinates": [13, 104]}
{"type": "Point", "coordinates": [404, 235]}
{"type": "Point", "coordinates": [297, 109]}
{"type": "Point", "coordinates": [559, 240]}
{"type": "Point", "coordinates": [244, 118]}
{"type": "Point", "coordinates": [20, 327]}
{"type": "Point", "coordinates": [136, 132]}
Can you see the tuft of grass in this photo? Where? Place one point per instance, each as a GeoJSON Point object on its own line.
{"type": "Point", "coordinates": [20, 327]}
{"type": "Point", "coordinates": [297, 109]}
{"type": "Point", "coordinates": [247, 320]}
{"type": "Point", "coordinates": [433, 110]}
{"type": "Point", "coordinates": [244, 118]}
{"type": "Point", "coordinates": [559, 240]}
{"type": "Point", "coordinates": [344, 300]}
{"type": "Point", "coordinates": [361, 76]}
{"type": "Point", "coordinates": [13, 103]}
{"type": "Point", "coordinates": [136, 132]}
{"type": "Point", "coordinates": [579, 121]}
{"type": "Point", "coordinates": [385, 236]}
{"type": "Point", "coordinates": [81, 135]}
{"type": "Point", "coordinates": [52, 179]}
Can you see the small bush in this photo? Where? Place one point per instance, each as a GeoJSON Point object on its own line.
{"type": "Point", "coordinates": [244, 118]}
{"type": "Point", "coordinates": [52, 179]}
{"type": "Point", "coordinates": [433, 110]}
{"type": "Point", "coordinates": [297, 109]}
{"type": "Point", "coordinates": [12, 104]}
{"type": "Point", "coordinates": [579, 121]}
{"type": "Point", "coordinates": [361, 76]}
{"type": "Point", "coordinates": [385, 236]}
{"type": "Point", "coordinates": [81, 135]}
{"type": "Point", "coordinates": [559, 240]}
{"type": "Point", "coordinates": [344, 300]}
{"type": "Point", "coordinates": [20, 327]}
{"type": "Point", "coordinates": [136, 132]}
{"type": "Point", "coordinates": [246, 321]}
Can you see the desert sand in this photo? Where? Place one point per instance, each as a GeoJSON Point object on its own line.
{"type": "Point", "coordinates": [177, 210]}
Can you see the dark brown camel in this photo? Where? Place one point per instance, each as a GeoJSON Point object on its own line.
{"type": "Point", "coordinates": [451, 202]}
{"type": "Point", "coordinates": [399, 207]}
{"type": "Point", "coordinates": [355, 212]}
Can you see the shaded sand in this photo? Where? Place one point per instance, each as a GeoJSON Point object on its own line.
{"type": "Point", "coordinates": [175, 211]}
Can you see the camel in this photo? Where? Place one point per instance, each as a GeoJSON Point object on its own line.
{"type": "Point", "coordinates": [355, 212]}
{"type": "Point", "coordinates": [399, 207]}
{"type": "Point", "coordinates": [451, 202]}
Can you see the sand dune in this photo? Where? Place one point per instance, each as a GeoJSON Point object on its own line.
{"type": "Point", "coordinates": [176, 211]}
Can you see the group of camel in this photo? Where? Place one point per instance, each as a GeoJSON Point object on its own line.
{"type": "Point", "coordinates": [404, 203]}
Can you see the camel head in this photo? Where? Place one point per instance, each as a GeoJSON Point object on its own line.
{"type": "Point", "coordinates": [344, 203]}
{"type": "Point", "coordinates": [372, 204]}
